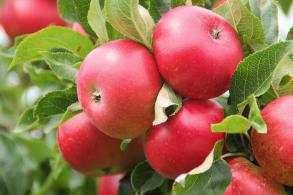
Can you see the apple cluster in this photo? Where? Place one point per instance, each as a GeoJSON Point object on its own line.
{"type": "Point", "coordinates": [195, 52]}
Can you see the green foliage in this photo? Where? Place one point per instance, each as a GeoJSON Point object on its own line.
{"type": "Point", "coordinates": [267, 12]}
{"type": "Point", "coordinates": [239, 124]}
{"type": "Point", "coordinates": [168, 103]}
{"type": "Point", "coordinates": [26, 121]}
{"type": "Point", "coordinates": [145, 179]}
{"type": "Point", "coordinates": [62, 62]}
{"type": "Point", "coordinates": [285, 5]}
{"type": "Point", "coordinates": [232, 124]}
{"type": "Point", "coordinates": [156, 7]}
{"type": "Point", "coordinates": [82, 7]}
{"type": "Point", "coordinates": [175, 3]}
{"type": "Point", "coordinates": [213, 181]}
{"type": "Point", "coordinates": [247, 25]}
{"type": "Point", "coordinates": [125, 187]}
{"type": "Point", "coordinates": [55, 103]}
{"type": "Point", "coordinates": [32, 47]}
{"type": "Point", "coordinates": [67, 10]}
{"type": "Point", "coordinates": [130, 19]}
{"type": "Point", "coordinates": [97, 21]}
{"type": "Point", "coordinates": [257, 73]}
{"type": "Point", "coordinates": [14, 171]}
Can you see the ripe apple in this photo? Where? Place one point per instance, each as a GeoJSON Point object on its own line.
{"type": "Point", "coordinates": [76, 27]}
{"type": "Point", "coordinates": [109, 185]}
{"type": "Point", "coordinates": [274, 150]}
{"type": "Point", "coordinates": [91, 152]}
{"type": "Point", "coordinates": [185, 140]}
{"type": "Point", "coordinates": [218, 3]}
{"type": "Point", "coordinates": [117, 86]}
{"type": "Point", "coordinates": [27, 16]}
{"type": "Point", "coordinates": [197, 51]}
{"type": "Point", "coordinates": [248, 179]}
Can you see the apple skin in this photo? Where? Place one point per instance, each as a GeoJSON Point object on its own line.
{"type": "Point", "coordinates": [109, 185]}
{"type": "Point", "coordinates": [76, 27]}
{"type": "Point", "coordinates": [185, 140]}
{"type": "Point", "coordinates": [247, 178]}
{"type": "Point", "coordinates": [91, 152]}
{"type": "Point", "coordinates": [218, 3]}
{"type": "Point", "coordinates": [190, 58]}
{"type": "Point", "coordinates": [20, 17]}
{"type": "Point", "coordinates": [125, 75]}
{"type": "Point", "coordinates": [274, 150]}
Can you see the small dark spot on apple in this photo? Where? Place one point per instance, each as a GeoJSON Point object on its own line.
{"type": "Point", "coordinates": [96, 96]}
{"type": "Point", "coordinates": [215, 34]}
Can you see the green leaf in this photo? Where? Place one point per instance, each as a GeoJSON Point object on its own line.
{"type": "Point", "coordinates": [196, 2]}
{"type": "Point", "coordinates": [168, 103]}
{"type": "Point", "coordinates": [247, 25]}
{"type": "Point", "coordinates": [43, 78]}
{"type": "Point", "coordinates": [61, 62]}
{"type": "Point", "coordinates": [232, 124]}
{"type": "Point", "coordinates": [26, 121]}
{"type": "Point", "coordinates": [113, 33]}
{"type": "Point", "coordinates": [267, 12]}
{"type": "Point", "coordinates": [145, 179]}
{"type": "Point", "coordinates": [156, 8]}
{"type": "Point", "coordinates": [55, 103]}
{"type": "Point", "coordinates": [13, 170]}
{"type": "Point", "coordinates": [210, 3]}
{"type": "Point", "coordinates": [57, 163]}
{"type": "Point", "coordinates": [254, 74]}
{"type": "Point", "coordinates": [125, 187]}
{"type": "Point", "coordinates": [67, 10]}
{"type": "Point", "coordinates": [176, 3]}
{"type": "Point", "coordinates": [71, 111]}
{"type": "Point", "coordinates": [97, 21]}
{"type": "Point", "coordinates": [36, 149]}
{"type": "Point", "coordinates": [32, 47]}
{"type": "Point", "coordinates": [6, 55]}
{"type": "Point", "coordinates": [82, 8]}
{"type": "Point", "coordinates": [237, 143]}
{"type": "Point", "coordinates": [285, 5]}
{"type": "Point", "coordinates": [215, 154]}
{"type": "Point", "coordinates": [255, 117]}
{"type": "Point", "coordinates": [290, 34]}
{"type": "Point", "coordinates": [239, 124]}
{"type": "Point", "coordinates": [130, 19]}
{"type": "Point", "coordinates": [213, 181]}
{"type": "Point", "coordinates": [124, 144]}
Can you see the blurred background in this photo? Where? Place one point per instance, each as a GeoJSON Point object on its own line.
{"type": "Point", "coordinates": [28, 159]}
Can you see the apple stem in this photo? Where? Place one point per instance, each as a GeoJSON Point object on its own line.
{"type": "Point", "coordinates": [96, 96]}
{"type": "Point", "coordinates": [215, 34]}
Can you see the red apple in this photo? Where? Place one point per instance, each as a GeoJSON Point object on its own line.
{"type": "Point", "coordinates": [117, 86]}
{"type": "Point", "coordinates": [274, 150]}
{"type": "Point", "coordinates": [76, 27]}
{"type": "Point", "coordinates": [248, 179]}
{"type": "Point", "coordinates": [27, 16]}
{"type": "Point", "coordinates": [197, 51]}
{"type": "Point", "coordinates": [218, 3]}
{"type": "Point", "coordinates": [91, 152]}
{"type": "Point", "coordinates": [109, 185]}
{"type": "Point", "coordinates": [185, 140]}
